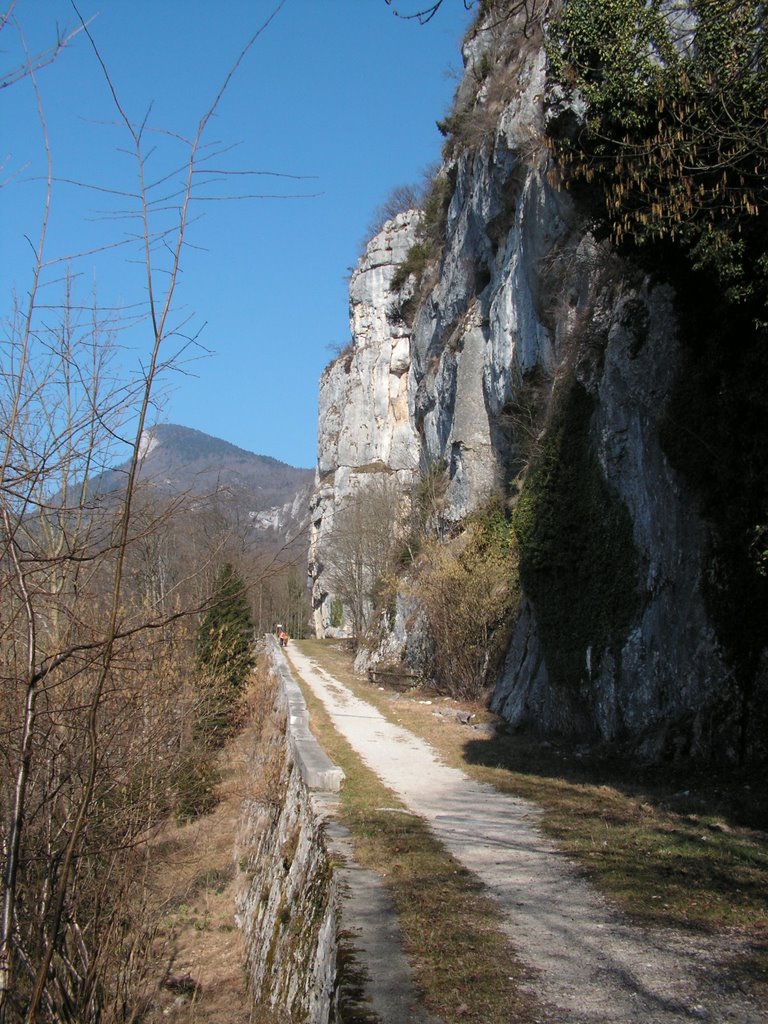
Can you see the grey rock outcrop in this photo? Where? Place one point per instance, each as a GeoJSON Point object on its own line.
{"type": "Point", "coordinates": [365, 415]}
{"type": "Point", "coordinates": [525, 302]}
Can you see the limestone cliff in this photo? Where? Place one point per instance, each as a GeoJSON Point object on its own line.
{"type": "Point", "coordinates": [525, 352]}
{"type": "Point", "coordinates": [366, 428]}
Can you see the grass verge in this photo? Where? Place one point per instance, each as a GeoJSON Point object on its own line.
{"type": "Point", "coordinates": [199, 950]}
{"type": "Point", "coordinates": [198, 968]}
{"type": "Point", "coordinates": [464, 964]}
{"type": "Point", "coordinates": [671, 850]}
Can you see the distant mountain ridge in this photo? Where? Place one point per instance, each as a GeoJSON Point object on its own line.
{"type": "Point", "coordinates": [179, 460]}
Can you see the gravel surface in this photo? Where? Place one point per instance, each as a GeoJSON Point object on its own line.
{"type": "Point", "coordinates": [592, 966]}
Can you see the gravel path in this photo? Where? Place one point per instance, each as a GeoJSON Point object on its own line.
{"type": "Point", "coordinates": [592, 967]}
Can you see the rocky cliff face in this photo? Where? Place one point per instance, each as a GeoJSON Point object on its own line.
{"type": "Point", "coordinates": [530, 344]}
{"type": "Point", "coordinates": [366, 428]}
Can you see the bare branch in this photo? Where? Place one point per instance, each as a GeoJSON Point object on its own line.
{"type": "Point", "coordinates": [36, 62]}
{"type": "Point", "coordinates": [427, 13]}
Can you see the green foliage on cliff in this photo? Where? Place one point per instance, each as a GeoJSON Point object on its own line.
{"type": "Point", "coordinates": [578, 562]}
{"type": "Point", "coordinates": [430, 234]}
{"type": "Point", "coordinates": [673, 158]}
{"type": "Point", "coordinates": [415, 263]}
{"type": "Point", "coordinates": [467, 589]}
{"type": "Point", "coordinates": [676, 133]}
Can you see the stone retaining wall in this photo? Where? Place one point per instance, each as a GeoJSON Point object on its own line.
{"type": "Point", "coordinates": [288, 909]}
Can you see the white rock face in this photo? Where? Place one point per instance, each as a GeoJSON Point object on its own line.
{"type": "Point", "coordinates": [524, 293]}
{"type": "Point", "coordinates": [365, 421]}
{"type": "Point", "coordinates": [147, 443]}
{"type": "Point", "coordinates": [290, 519]}
{"type": "Point", "coordinates": [401, 399]}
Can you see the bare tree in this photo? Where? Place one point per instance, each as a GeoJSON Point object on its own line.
{"type": "Point", "coordinates": [362, 548]}
{"type": "Point", "coordinates": [86, 719]}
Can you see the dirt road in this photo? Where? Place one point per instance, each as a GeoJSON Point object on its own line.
{"type": "Point", "coordinates": [592, 966]}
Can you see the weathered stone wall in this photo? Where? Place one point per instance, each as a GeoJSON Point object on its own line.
{"type": "Point", "coordinates": [289, 908]}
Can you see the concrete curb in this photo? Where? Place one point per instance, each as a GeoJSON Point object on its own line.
{"type": "Point", "coordinates": [319, 773]}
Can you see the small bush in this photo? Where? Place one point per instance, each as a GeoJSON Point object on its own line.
{"type": "Point", "coordinates": [196, 781]}
{"type": "Point", "coordinates": [337, 613]}
{"type": "Point", "coordinates": [415, 263]}
{"type": "Point", "coordinates": [430, 234]}
{"type": "Point", "coordinates": [468, 591]}
{"type": "Point", "coordinates": [341, 354]}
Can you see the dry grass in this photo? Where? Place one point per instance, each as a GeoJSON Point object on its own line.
{"type": "Point", "coordinates": [200, 966]}
{"type": "Point", "coordinates": [200, 954]}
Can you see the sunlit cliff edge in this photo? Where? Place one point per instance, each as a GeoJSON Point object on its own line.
{"type": "Point", "coordinates": [527, 362]}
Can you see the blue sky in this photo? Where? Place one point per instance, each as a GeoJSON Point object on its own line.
{"type": "Point", "coordinates": [339, 91]}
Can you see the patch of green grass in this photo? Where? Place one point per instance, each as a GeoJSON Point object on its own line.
{"type": "Point", "coordinates": [463, 963]}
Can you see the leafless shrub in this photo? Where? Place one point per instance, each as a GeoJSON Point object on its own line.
{"type": "Point", "coordinates": [401, 199]}
{"type": "Point", "coordinates": [526, 413]}
{"type": "Point", "coordinates": [362, 546]}
{"type": "Point", "coordinates": [466, 590]}
{"type": "Point", "coordinates": [94, 713]}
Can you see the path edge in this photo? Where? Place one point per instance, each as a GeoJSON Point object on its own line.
{"type": "Point", "coordinates": [319, 773]}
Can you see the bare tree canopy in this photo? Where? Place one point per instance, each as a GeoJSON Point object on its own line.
{"type": "Point", "coordinates": [94, 634]}
{"type": "Point", "coordinates": [363, 547]}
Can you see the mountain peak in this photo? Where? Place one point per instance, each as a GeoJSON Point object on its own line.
{"type": "Point", "coordinates": [191, 445]}
{"type": "Point", "coordinates": [180, 460]}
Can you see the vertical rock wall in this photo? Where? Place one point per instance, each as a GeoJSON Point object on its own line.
{"type": "Point", "coordinates": [525, 309]}
{"type": "Point", "coordinates": [366, 425]}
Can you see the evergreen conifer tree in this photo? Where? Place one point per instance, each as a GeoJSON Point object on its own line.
{"type": "Point", "coordinates": [225, 636]}
{"type": "Point", "coordinates": [224, 659]}
{"type": "Point", "coordinates": [224, 656]}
